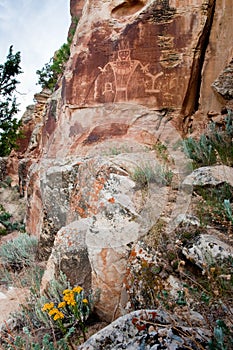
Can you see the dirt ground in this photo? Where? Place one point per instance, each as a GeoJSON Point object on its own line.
{"type": "Point", "coordinates": [10, 301]}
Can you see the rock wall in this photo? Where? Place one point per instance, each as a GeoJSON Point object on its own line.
{"type": "Point", "coordinates": [140, 72]}
{"type": "Point", "coordinates": [218, 56]}
{"type": "Point", "coordinates": [147, 49]}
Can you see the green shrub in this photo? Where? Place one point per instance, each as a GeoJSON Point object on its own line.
{"type": "Point", "coordinates": [73, 309]}
{"type": "Point", "coordinates": [228, 209]}
{"type": "Point", "coordinates": [6, 221]}
{"type": "Point", "coordinates": [216, 146]}
{"type": "Point", "coordinates": [147, 174]}
{"type": "Point", "coordinates": [51, 71]}
{"type": "Point", "coordinates": [214, 206]}
{"type": "Point", "coordinates": [19, 252]}
{"type": "Point", "coordinates": [53, 320]}
{"type": "Point", "coordinates": [161, 151]}
{"type": "Point", "coordinates": [6, 182]}
{"type": "Point", "coordinates": [26, 342]}
{"type": "Point", "coordinates": [49, 74]}
{"type": "Point", "coordinates": [222, 337]}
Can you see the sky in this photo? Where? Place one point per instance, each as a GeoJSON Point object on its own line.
{"type": "Point", "coordinates": [36, 28]}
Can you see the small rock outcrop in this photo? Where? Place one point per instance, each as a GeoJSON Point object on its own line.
{"type": "Point", "coordinates": [148, 329]}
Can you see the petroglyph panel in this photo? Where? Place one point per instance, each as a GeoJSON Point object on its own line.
{"type": "Point", "coordinates": [124, 78]}
{"type": "Point", "coordinates": [147, 61]}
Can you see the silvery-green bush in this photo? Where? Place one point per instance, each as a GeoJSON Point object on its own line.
{"type": "Point", "coordinates": [19, 252]}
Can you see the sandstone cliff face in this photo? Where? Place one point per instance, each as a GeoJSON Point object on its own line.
{"type": "Point", "coordinates": [147, 49]}
{"type": "Point", "coordinates": [137, 74]}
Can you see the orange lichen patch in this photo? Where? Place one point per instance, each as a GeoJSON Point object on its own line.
{"type": "Point", "coordinates": [81, 212]}
{"type": "Point", "coordinates": [92, 210]}
{"type": "Point", "coordinates": [102, 180]}
{"type": "Point", "coordinates": [94, 197]}
{"type": "Point", "coordinates": [103, 255]}
{"type": "Point", "coordinates": [133, 254]}
{"type": "Point", "coordinates": [111, 200]}
{"type": "Point", "coordinates": [98, 186]}
{"type": "Point", "coordinates": [58, 240]}
{"type": "Point", "coordinates": [74, 200]}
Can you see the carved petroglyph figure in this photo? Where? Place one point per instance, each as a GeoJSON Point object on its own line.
{"type": "Point", "coordinates": [124, 79]}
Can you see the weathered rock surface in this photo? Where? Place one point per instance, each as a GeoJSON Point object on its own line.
{"type": "Point", "coordinates": [147, 329]}
{"type": "Point", "coordinates": [88, 133]}
{"type": "Point", "coordinates": [3, 167]}
{"type": "Point", "coordinates": [106, 213]}
{"type": "Point", "coordinates": [224, 84]}
{"type": "Point", "coordinates": [210, 176]}
{"type": "Point", "coordinates": [29, 146]}
{"type": "Point", "coordinates": [207, 250]}
{"type": "Point", "coordinates": [125, 67]}
{"type": "Point", "coordinates": [12, 203]}
{"type": "Point", "coordinates": [10, 301]}
{"type": "Point", "coordinates": [218, 56]}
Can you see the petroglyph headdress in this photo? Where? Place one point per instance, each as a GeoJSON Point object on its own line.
{"type": "Point", "coordinates": [123, 46]}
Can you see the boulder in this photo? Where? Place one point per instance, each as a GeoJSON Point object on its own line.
{"type": "Point", "coordinates": [219, 54]}
{"type": "Point", "coordinates": [210, 176]}
{"type": "Point", "coordinates": [207, 250]}
{"type": "Point", "coordinates": [147, 329]}
{"type": "Point", "coordinates": [223, 84]}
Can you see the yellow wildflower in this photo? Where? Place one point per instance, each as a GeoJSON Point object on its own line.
{"type": "Point", "coordinates": [59, 315]}
{"type": "Point", "coordinates": [85, 301]}
{"type": "Point", "coordinates": [53, 311]}
{"type": "Point", "coordinates": [47, 306]}
{"type": "Point", "coordinates": [61, 304]}
{"type": "Point", "coordinates": [69, 298]}
{"type": "Point", "coordinates": [77, 289]}
{"type": "Point", "coordinates": [66, 291]}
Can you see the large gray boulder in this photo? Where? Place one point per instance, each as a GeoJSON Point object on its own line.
{"type": "Point", "coordinates": [147, 329]}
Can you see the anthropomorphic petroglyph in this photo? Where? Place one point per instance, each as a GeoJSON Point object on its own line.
{"type": "Point", "coordinates": [124, 78]}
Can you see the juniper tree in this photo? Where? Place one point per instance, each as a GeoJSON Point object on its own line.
{"type": "Point", "coordinates": [9, 124]}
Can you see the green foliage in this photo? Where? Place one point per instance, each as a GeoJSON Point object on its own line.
{"type": "Point", "coordinates": [41, 322]}
{"type": "Point", "coordinates": [6, 182]}
{"type": "Point", "coordinates": [6, 221]}
{"type": "Point", "coordinates": [31, 314]}
{"type": "Point", "coordinates": [9, 125]}
{"type": "Point", "coordinates": [146, 174]}
{"type": "Point", "coordinates": [181, 300]}
{"type": "Point", "coordinates": [19, 252]}
{"type": "Point", "coordinates": [161, 151]}
{"type": "Point", "coordinates": [73, 310]}
{"type": "Point", "coordinates": [228, 209]}
{"type": "Point", "coordinates": [49, 74]}
{"type": "Point", "coordinates": [26, 342]}
{"type": "Point", "coordinates": [222, 337]}
{"type": "Point", "coordinates": [214, 205]}
{"type": "Point", "coordinates": [214, 147]}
